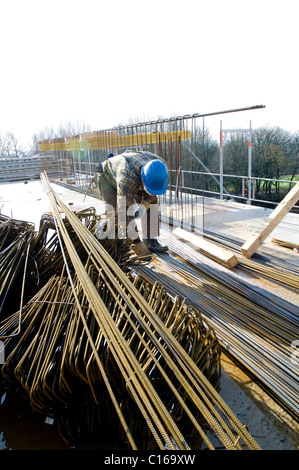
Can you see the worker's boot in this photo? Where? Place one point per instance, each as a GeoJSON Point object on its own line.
{"type": "Point", "coordinates": [152, 244]}
{"type": "Point", "coordinates": [101, 230]}
{"type": "Point", "coordinates": [141, 251]}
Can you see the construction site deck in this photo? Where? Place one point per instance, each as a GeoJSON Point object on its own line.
{"type": "Point", "coordinates": [249, 306]}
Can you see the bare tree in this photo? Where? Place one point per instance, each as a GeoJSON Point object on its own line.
{"type": "Point", "coordinates": [70, 129]}
{"type": "Point", "coordinates": [45, 134]}
{"type": "Point", "coordinates": [10, 146]}
{"type": "Point", "coordinates": [294, 156]}
{"type": "Point", "coordinates": [235, 160]}
{"type": "Point", "coordinates": [4, 145]}
{"type": "Point", "coordinates": [67, 129]}
{"type": "Point", "coordinates": [270, 154]}
{"type": "Point", "coordinates": [274, 165]}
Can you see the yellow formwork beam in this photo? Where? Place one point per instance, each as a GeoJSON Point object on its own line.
{"type": "Point", "coordinates": [102, 140]}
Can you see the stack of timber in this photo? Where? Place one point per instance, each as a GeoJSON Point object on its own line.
{"type": "Point", "coordinates": [98, 342]}
{"type": "Point", "coordinates": [25, 168]}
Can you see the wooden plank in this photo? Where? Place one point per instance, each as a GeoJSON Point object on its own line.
{"type": "Point", "coordinates": [256, 239]}
{"type": "Point", "coordinates": [209, 249]}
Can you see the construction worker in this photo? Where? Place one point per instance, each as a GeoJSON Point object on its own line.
{"type": "Point", "coordinates": [135, 177]}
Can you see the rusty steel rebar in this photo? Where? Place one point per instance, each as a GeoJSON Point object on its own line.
{"type": "Point", "coordinates": [178, 360]}
{"type": "Point", "coordinates": [97, 330]}
{"type": "Point", "coordinates": [257, 327]}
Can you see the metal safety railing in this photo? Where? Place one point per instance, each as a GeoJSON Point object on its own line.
{"type": "Point", "coordinates": [182, 141]}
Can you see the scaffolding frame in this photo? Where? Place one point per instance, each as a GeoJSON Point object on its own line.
{"type": "Point", "coordinates": [248, 133]}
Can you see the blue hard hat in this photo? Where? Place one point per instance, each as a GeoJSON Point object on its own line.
{"type": "Point", "coordinates": [155, 177]}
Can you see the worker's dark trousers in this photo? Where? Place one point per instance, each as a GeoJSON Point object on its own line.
{"type": "Point", "coordinates": [149, 221]}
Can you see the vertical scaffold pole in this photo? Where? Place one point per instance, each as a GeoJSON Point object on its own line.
{"type": "Point", "coordinates": [221, 163]}
{"type": "Point", "coordinates": [249, 165]}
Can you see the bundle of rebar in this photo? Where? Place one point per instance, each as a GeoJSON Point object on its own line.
{"type": "Point", "coordinates": [286, 244]}
{"type": "Point", "coordinates": [47, 251]}
{"type": "Point", "coordinates": [255, 326]}
{"type": "Point", "coordinates": [282, 269]}
{"type": "Point", "coordinates": [56, 363]}
{"type": "Point", "coordinates": [126, 341]}
{"type": "Point", "coordinates": [16, 238]}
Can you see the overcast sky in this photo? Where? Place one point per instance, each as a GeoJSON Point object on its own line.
{"type": "Point", "coordinates": [108, 62]}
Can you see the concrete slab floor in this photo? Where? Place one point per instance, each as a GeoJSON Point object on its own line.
{"type": "Point", "coordinates": [242, 220]}
{"type": "Point", "coordinates": [28, 201]}
{"type": "Point", "coordinates": [267, 422]}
